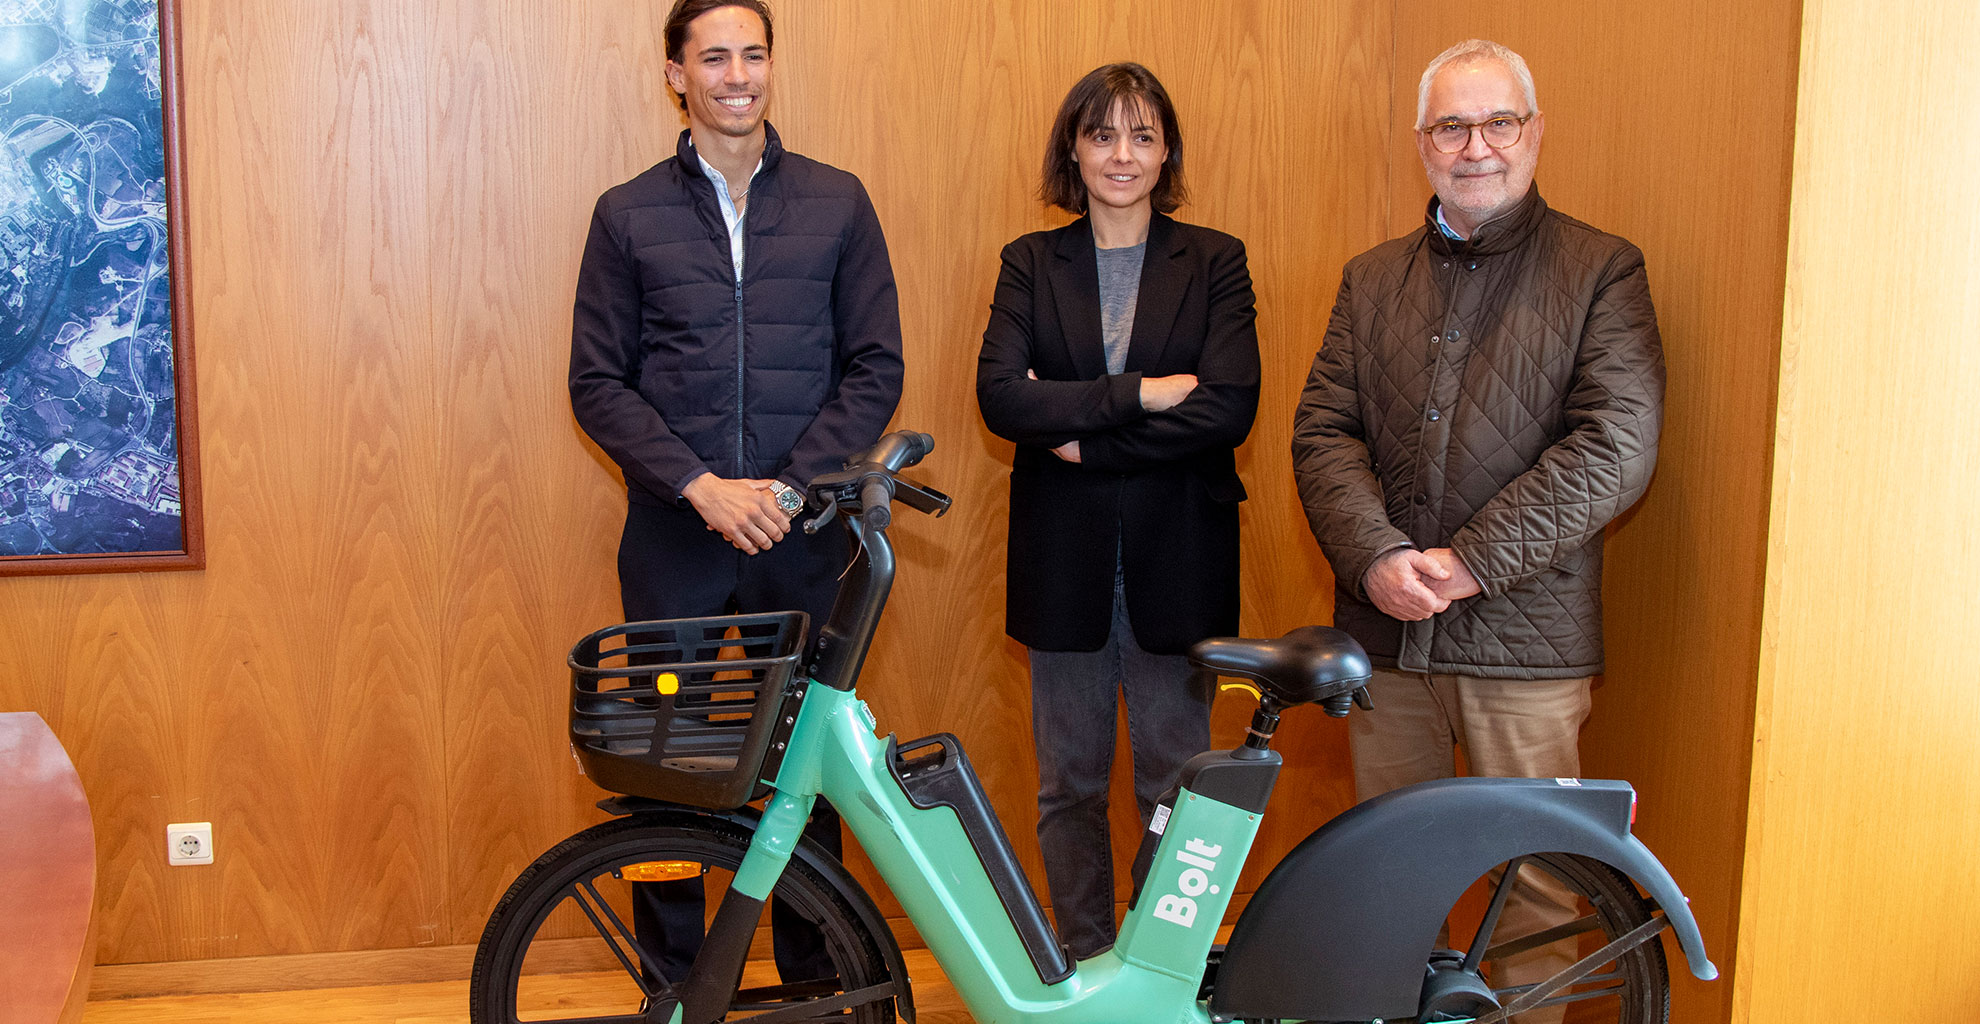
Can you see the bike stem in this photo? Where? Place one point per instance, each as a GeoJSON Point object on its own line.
{"type": "Point", "coordinates": [848, 633]}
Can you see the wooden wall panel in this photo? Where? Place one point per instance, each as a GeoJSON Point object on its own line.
{"type": "Point", "coordinates": [1283, 150]}
{"type": "Point", "coordinates": [1671, 125]}
{"type": "Point", "coordinates": [1860, 874]}
{"type": "Point", "coordinates": [363, 690]}
{"type": "Point", "coordinates": [283, 693]}
{"type": "Point", "coordinates": [538, 110]}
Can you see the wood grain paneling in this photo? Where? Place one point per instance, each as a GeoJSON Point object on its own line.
{"type": "Point", "coordinates": [364, 690]}
{"type": "Point", "coordinates": [948, 131]}
{"type": "Point", "coordinates": [1860, 874]}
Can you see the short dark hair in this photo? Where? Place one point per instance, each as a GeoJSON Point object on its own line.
{"type": "Point", "coordinates": [683, 15]}
{"type": "Point", "coordinates": [1086, 108]}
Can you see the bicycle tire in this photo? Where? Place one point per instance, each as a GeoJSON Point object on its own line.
{"type": "Point", "coordinates": [1631, 988]}
{"type": "Point", "coordinates": [595, 855]}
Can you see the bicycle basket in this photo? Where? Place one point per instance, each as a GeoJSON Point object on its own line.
{"type": "Point", "coordinates": [682, 710]}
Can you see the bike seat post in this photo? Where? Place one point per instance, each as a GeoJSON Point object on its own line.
{"type": "Point", "coordinates": [1258, 738]}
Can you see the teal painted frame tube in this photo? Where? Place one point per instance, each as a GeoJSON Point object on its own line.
{"type": "Point", "coordinates": [1153, 972]}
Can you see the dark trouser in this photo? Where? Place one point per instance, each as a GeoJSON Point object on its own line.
{"type": "Point", "coordinates": [671, 566]}
{"type": "Point", "coordinates": [1073, 715]}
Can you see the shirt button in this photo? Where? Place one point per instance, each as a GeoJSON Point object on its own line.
{"type": "Point", "coordinates": [1435, 415]}
{"type": "Point", "coordinates": [1447, 264]}
{"type": "Point", "coordinates": [1435, 339]}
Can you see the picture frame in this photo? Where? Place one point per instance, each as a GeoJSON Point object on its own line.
{"type": "Point", "coordinates": [99, 455]}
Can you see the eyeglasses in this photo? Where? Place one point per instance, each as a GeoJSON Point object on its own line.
{"type": "Point", "coordinates": [1499, 132]}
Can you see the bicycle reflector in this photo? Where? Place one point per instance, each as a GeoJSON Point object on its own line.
{"type": "Point", "coordinates": [660, 871]}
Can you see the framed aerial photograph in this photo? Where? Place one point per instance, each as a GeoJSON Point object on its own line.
{"type": "Point", "coordinates": [99, 468]}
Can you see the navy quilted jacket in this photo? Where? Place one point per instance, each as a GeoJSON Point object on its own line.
{"type": "Point", "coordinates": [676, 370]}
{"type": "Point", "coordinates": [1500, 396]}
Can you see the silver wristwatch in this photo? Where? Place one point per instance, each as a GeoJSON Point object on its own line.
{"type": "Point", "coordinates": [788, 498]}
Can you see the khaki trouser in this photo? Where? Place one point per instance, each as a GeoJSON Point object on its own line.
{"type": "Point", "coordinates": [1506, 727]}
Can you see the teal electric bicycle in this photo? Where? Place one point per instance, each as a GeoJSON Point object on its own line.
{"type": "Point", "coordinates": [693, 720]}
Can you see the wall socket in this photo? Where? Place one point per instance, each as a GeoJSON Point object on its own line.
{"type": "Point", "coordinates": [189, 843]}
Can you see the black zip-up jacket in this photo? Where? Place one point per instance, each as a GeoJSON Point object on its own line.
{"type": "Point", "coordinates": [677, 370]}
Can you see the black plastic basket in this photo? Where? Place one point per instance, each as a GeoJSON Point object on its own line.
{"type": "Point", "coordinates": [683, 710]}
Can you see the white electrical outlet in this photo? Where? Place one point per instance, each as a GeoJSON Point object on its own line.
{"type": "Point", "coordinates": [189, 843]}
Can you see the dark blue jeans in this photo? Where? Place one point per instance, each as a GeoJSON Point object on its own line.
{"type": "Point", "coordinates": [1073, 716]}
{"type": "Point", "coordinates": [670, 567]}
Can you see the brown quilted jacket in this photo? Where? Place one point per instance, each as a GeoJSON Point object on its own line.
{"type": "Point", "coordinates": [1499, 396]}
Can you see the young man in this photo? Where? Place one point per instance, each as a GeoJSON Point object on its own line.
{"type": "Point", "coordinates": [736, 333]}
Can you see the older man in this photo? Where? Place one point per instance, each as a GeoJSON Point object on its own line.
{"type": "Point", "coordinates": [1487, 400]}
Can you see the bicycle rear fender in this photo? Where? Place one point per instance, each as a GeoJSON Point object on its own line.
{"type": "Point", "coordinates": [817, 858]}
{"type": "Point", "coordinates": [1341, 929]}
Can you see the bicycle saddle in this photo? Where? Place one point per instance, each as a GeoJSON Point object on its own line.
{"type": "Point", "coordinates": [1309, 664]}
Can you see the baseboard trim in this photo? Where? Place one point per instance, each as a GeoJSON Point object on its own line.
{"type": "Point", "coordinates": [357, 968]}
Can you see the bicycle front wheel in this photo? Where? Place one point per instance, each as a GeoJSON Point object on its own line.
{"type": "Point", "coordinates": [560, 945]}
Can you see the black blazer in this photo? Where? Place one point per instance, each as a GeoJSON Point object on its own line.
{"type": "Point", "coordinates": [1160, 488]}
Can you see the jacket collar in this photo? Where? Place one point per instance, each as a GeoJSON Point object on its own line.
{"type": "Point", "coordinates": [1504, 233]}
{"type": "Point", "coordinates": [1076, 287]}
{"type": "Point", "coordinates": [690, 163]}
{"type": "Point", "coordinates": [764, 207]}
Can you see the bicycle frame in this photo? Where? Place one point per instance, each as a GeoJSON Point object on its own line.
{"type": "Point", "coordinates": [927, 827]}
{"type": "Point", "coordinates": [1155, 969]}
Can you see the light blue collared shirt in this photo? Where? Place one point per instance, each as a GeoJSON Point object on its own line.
{"type": "Point", "coordinates": [730, 215]}
{"type": "Point", "coordinates": [1442, 224]}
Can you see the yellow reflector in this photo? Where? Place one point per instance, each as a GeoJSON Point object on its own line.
{"type": "Point", "coordinates": [660, 871]}
{"type": "Point", "coordinates": [1246, 687]}
{"type": "Point", "coordinates": [668, 683]}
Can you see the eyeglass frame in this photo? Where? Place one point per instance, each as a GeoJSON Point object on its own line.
{"type": "Point", "coordinates": [1478, 127]}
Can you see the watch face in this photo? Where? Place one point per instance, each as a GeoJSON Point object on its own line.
{"type": "Point", "coordinates": [790, 501]}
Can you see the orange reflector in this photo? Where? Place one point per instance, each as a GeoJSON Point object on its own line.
{"type": "Point", "coordinates": [668, 683]}
{"type": "Point", "coordinates": [1246, 687]}
{"type": "Point", "coordinates": [660, 871]}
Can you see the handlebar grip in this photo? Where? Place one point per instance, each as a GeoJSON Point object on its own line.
{"type": "Point", "coordinates": [876, 503]}
{"type": "Point", "coordinates": [897, 451]}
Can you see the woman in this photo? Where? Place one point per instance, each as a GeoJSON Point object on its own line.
{"type": "Point", "coordinates": [1122, 358]}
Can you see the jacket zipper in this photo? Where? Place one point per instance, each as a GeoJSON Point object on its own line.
{"type": "Point", "coordinates": [740, 404]}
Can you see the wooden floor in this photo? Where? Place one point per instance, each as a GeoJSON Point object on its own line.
{"type": "Point", "coordinates": [434, 1002]}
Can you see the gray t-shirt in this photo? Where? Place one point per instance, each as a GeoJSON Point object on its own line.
{"type": "Point", "coordinates": [1120, 286]}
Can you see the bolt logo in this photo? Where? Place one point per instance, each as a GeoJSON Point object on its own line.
{"type": "Point", "coordinates": [1195, 881]}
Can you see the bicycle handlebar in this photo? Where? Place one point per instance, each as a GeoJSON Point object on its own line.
{"type": "Point", "coordinates": [896, 451]}
{"type": "Point", "coordinates": [867, 488]}
{"type": "Point", "coordinates": [876, 502]}
{"type": "Point", "coordinates": [868, 485]}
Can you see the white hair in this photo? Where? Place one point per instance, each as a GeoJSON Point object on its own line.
{"type": "Point", "coordinates": [1472, 51]}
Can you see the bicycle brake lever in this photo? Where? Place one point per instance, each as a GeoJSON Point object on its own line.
{"type": "Point", "coordinates": [817, 522]}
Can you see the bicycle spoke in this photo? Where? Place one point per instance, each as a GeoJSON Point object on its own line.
{"type": "Point", "coordinates": [1582, 968]}
{"type": "Point", "coordinates": [773, 994]}
{"type": "Point", "coordinates": [814, 1008]}
{"type": "Point", "coordinates": [612, 940]}
{"type": "Point", "coordinates": [1512, 992]}
{"type": "Point", "coordinates": [1480, 942]}
{"type": "Point", "coordinates": [1514, 947]}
